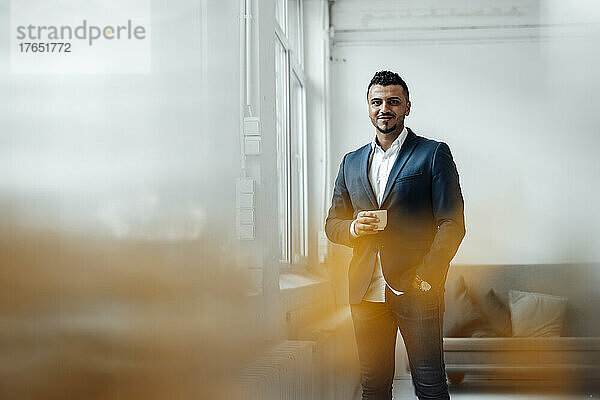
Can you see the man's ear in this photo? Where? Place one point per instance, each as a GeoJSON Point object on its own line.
{"type": "Point", "coordinates": [407, 108]}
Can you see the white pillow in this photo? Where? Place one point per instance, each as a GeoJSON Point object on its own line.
{"type": "Point", "coordinates": [536, 314]}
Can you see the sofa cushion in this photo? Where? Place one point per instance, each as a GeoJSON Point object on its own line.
{"type": "Point", "coordinates": [536, 314]}
{"type": "Point", "coordinates": [462, 317]}
{"type": "Point", "coordinates": [496, 313]}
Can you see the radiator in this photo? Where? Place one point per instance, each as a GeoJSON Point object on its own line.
{"type": "Point", "coordinates": [282, 373]}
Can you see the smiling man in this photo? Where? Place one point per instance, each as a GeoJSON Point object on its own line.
{"type": "Point", "coordinates": [399, 265]}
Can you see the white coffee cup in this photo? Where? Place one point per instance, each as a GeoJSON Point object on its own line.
{"type": "Point", "coordinates": [382, 215]}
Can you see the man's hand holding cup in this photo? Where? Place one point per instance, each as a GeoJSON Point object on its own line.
{"type": "Point", "coordinates": [370, 222]}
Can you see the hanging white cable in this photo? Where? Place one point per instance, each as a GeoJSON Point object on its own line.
{"type": "Point", "coordinates": [243, 83]}
{"type": "Point", "coordinates": [248, 63]}
{"type": "Point", "coordinates": [245, 74]}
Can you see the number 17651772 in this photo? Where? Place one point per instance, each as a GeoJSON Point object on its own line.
{"type": "Point", "coordinates": [53, 47]}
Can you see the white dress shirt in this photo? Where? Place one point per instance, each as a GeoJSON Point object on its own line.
{"type": "Point", "coordinates": [380, 165]}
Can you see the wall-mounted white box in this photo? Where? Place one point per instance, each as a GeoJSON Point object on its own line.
{"type": "Point", "coordinates": [252, 145]}
{"type": "Point", "coordinates": [245, 200]}
{"type": "Point", "coordinates": [245, 216]}
{"type": "Point", "coordinates": [252, 136]}
{"type": "Point", "coordinates": [246, 232]}
{"type": "Point", "coordinates": [245, 185]}
{"type": "Point", "coordinates": [245, 208]}
{"type": "Point", "coordinates": [252, 126]}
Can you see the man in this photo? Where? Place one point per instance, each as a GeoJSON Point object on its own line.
{"type": "Point", "coordinates": [397, 275]}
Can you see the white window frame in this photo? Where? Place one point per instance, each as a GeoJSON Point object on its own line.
{"type": "Point", "coordinates": [292, 253]}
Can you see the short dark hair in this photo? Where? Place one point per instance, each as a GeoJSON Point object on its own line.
{"type": "Point", "coordinates": [387, 78]}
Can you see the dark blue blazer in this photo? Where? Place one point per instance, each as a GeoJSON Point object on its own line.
{"type": "Point", "coordinates": [425, 216]}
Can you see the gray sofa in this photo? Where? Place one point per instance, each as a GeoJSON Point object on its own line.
{"type": "Point", "coordinates": [573, 357]}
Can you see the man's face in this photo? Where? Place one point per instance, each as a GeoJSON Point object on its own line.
{"type": "Point", "coordinates": [387, 107]}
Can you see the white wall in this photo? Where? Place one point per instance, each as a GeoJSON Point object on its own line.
{"type": "Point", "coordinates": [518, 109]}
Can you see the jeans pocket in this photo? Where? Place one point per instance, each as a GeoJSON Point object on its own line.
{"type": "Point", "coordinates": [425, 303]}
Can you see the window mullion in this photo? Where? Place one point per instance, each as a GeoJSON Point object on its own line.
{"type": "Point", "coordinates": [288, 136]}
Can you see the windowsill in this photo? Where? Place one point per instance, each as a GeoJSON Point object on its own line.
{"type": "Point", "coordinates": [297, 278]}
{"type": "Point", "coordinates": [300, 288]}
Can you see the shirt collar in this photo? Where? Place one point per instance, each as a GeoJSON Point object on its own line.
{"type": "Point", "coordinates": [398, 142]}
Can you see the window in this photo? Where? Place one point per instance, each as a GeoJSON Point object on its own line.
{"type": "Point", "coordinates": [291, 132]}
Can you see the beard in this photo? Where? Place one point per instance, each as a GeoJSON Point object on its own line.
{"type": "Point", "coordinates": [386, 131]}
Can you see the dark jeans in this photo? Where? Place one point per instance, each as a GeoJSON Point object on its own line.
{"type": "Point", "coordinates": [419, 317]}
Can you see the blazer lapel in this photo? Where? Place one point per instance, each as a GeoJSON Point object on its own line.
{"type": "Point", "coordinates": [364, 170]}
{"type": "Point", "coordinates": [403, 155]}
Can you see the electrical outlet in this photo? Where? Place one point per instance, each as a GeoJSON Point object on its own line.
{"type": "Point", "coordinates": [252, 145]}
{"type": "Point", "coordinates": [251, 126]}
{"type": "Point", "coordinates": [246, 232]}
